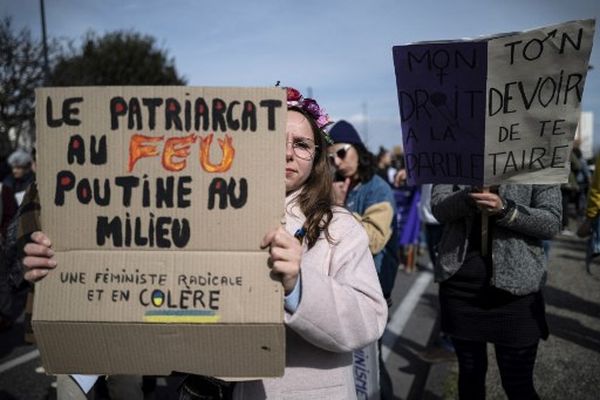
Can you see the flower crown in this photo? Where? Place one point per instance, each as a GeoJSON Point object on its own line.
{"type": "Point", "coordinates": [312, 108]}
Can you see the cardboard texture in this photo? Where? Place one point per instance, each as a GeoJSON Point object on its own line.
{"type": "Point", "coordinates": [156, 199]}
{"type": "Point", "coordinates": [501, 109]}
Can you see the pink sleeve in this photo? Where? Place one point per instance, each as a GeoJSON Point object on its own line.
{"type": "Point", "coordinates": [344, 310]}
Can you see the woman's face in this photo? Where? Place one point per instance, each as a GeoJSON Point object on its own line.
{"type": "Point", "coordinates": [19, 171]}
{"type": "Point", "coordinates": [344, 158]}
{"type": "Point", "coordinates": [386, 159]}
{"type": "Point", "coordinates": [300, 141]}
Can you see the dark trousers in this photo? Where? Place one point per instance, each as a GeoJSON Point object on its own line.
{"type": "Point", "coordinates": [515, 365]}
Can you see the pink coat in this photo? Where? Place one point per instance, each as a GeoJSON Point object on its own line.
{"type": "Point", "coordinates": [341, 310]}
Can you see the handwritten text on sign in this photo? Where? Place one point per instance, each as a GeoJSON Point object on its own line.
{"type": "Point", "coordinates": [160, 168]}
{"type": "Point", "coordinates": [496, 110]}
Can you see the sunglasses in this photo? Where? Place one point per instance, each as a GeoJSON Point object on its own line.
{"type": "Point", "coordinates": [339, 153]}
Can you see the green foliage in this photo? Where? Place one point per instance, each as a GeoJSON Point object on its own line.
{"type": "Point", "coordinates": [118, 58]}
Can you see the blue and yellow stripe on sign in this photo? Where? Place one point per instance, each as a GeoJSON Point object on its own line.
{"type": "Point", "coordinates": [182, 316]}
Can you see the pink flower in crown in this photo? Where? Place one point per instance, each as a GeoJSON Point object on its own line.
{"type": "Point", "coordinates": [311, 106]}
{"type": "Point", "coordinates": [323, 119]}
{"type": "Point", "coordinates": [294, 97]}
{"type": "Point", "coordinates": [318, 113]}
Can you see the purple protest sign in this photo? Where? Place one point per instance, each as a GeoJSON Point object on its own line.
{"type": "Point", "coordinates": [442, 99]}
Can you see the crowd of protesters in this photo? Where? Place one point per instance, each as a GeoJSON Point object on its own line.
{"type": "Point", "coordinates": [17, 174]}
{"type": "Point", "coordinates": [374, 225]}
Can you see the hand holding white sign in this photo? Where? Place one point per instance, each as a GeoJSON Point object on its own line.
{"type": "Point", "coordinates": [286, 254]}
{"type": "Point", "coordinates": [488, 201]}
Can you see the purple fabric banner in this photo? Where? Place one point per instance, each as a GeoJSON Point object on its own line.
{"type": "Point", "coordinates": [442, 99]}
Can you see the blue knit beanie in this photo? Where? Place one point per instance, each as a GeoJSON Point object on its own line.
{"type": "Point", "coordinates": [344, 132]}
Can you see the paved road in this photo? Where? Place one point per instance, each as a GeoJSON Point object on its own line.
{"type": "Point", "coordinates": [568, 363]}
{"type": "Point", "coordinates": [18, 361]}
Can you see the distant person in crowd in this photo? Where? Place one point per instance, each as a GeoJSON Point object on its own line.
{"type": "Point", "coordinates": [591, 224]}
{"type": "Point", "coordinates": [443, 350]}
{"type": "Point", "coordinates": [12, 191]}
{"type": "Point", "coordinates": [583, 178]}
{"type": "Point", "coordinates": [21, 163]}
{"type": "Point", "coordinates": [495, 297]}
{"type": "Point", "coordinates": [570, 191]}
{"type": "Point", "coordinates": [385, 170]}
{"type": "Point", "coordinates": [408, 221]}
{"type": "Point", "coordinates": [120, 387]}
{"type": "Point", "coordinates": [370, 198]}
{"type": "Point", "coordinates": [433, 229]}
{"type": "Point", "coordinates": [592, 208]}
{"type": "Point", "coordinates": [18, 177]}
{"type": "Point", "coordinates": [8, 209]}
{"type": "Point", "coordinates": [4, 168]}
{"type": "Point", "coordinates": [398, 157]}
{"type": "Point", "coordinates": [366, 194]}
{"type": "Point", "coordinates": [399, 178]}
{"type": "Point", "coordinates": [398, 167]}
{"type": "Point", "coordinates": [408, 225]}
{"type": "Point", "coordinates": [333, 300]}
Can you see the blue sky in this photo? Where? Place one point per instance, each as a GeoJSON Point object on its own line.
{"type": "Point", "coordinates": [342, 50]}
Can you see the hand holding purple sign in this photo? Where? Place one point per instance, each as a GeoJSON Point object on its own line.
{"type": "Point", "coordinates": [500, 109]}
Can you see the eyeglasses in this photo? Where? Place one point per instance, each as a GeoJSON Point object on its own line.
{"type": "Point", "coordinates": [339, 153]}
{"type": "Point", "coordinates": [303, 148]}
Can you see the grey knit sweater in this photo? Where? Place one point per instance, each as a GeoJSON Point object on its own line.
{"type": "Point", "coordinates": [517, 253]}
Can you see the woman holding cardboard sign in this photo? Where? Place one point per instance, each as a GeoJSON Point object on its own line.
{"type": "Point", "coordinates": [495, 296]}
{"type": "Point", "coordinates": [333, 301]}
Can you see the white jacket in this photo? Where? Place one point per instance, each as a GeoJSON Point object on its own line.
{"type": "Point", "coordinates": [341, 310]}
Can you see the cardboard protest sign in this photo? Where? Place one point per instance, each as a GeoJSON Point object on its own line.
{"type": "Point", "coordinates": [156, 199]}
{"type": "Point", "coordinates": [501, 109]}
